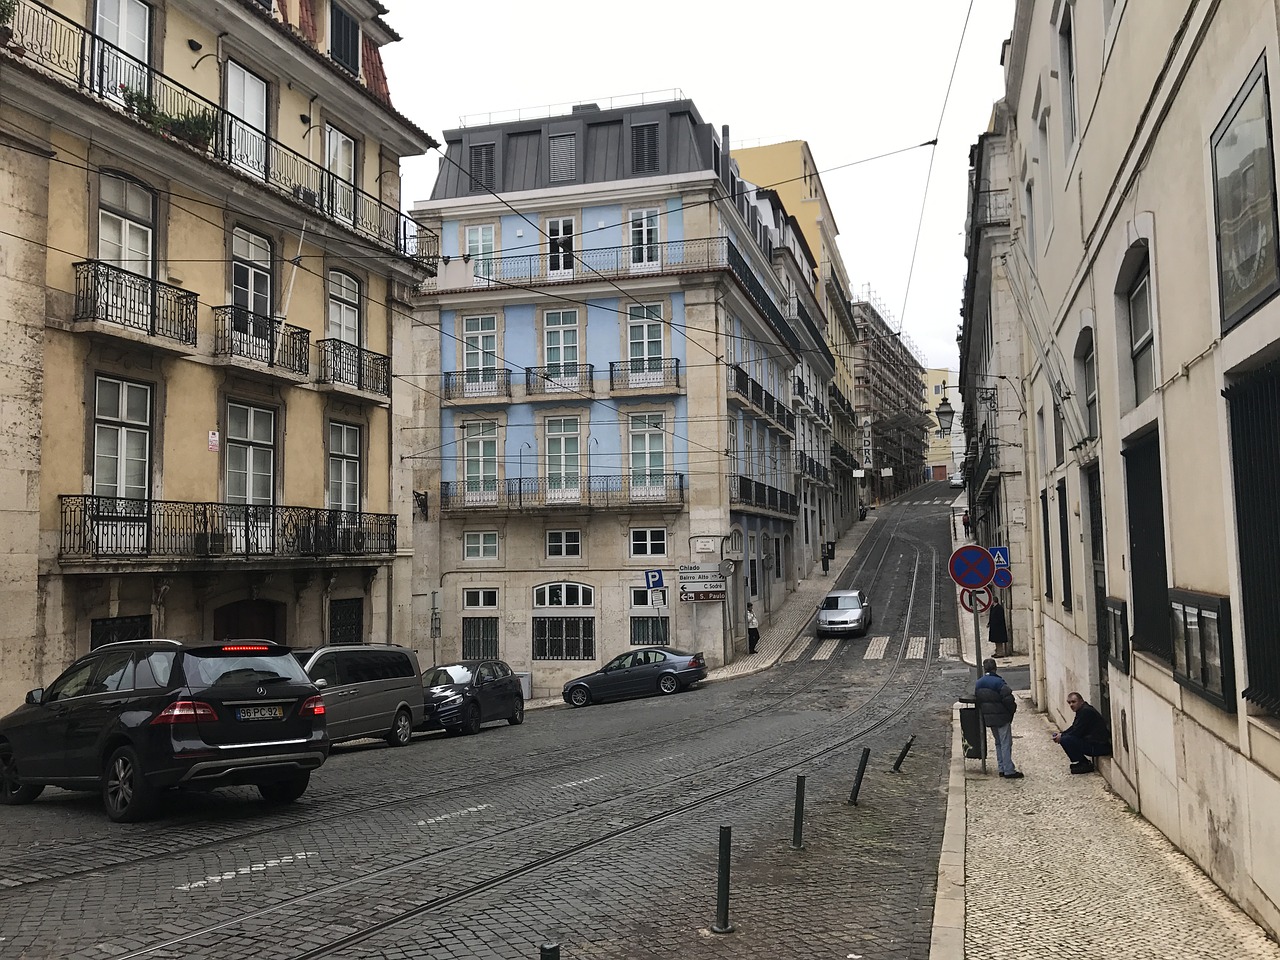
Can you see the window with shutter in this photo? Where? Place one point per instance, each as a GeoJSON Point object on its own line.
{"type": "Point", "coordinates": [563, 158]}
{"type": "Point", "coordinates": [644, 148]}
{"type": "Point", "coordinates": [344, 39]}
{"type": "Point", "coordinates": [481, 167]}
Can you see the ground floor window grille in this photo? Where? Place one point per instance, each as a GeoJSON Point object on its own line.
{"type": "Point", "coordinates": [479, 638]}
{"type": "Point", "coordinates": [346, 621]}
{"type": "Point", "coordinates": [115, 629]}
{"type": "Point", "coordinates": [564, 638]}
{"type": "Point", "coordinates": [649, 632]}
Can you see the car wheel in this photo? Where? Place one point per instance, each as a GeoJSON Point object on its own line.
{"type": "Point", "coordinates": [12, 792]}
{"type": "Point", "coordinates": [579, 697]}
{"type": "Point", "coordinates": [126, 795]}
{"type": "Point", "coordinates": [668, 683]}
{"type": "Point", "coordinates": [285, 791]}
{"type": "Point", "coordinates": [402, 729]}
{"type": "Point", "coordinates": [517, 713]}
{"type": "Point", "coordinates": [471, 720]}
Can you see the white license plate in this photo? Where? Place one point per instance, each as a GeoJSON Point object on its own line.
{"type": "Point", "coordinates": [260, 713]}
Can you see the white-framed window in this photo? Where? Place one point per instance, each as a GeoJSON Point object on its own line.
{"type": "Point", "coordinates": [1141, 336]}
{"type": "Point", "coordinates": [560, 349]}
{"type": "Point", "coordinates": [246, 101]}
{"type": "Point", "coordinates": [648, 541]}
{"type": "Point", "coordinates": [251, 454]}
{"type": "Point", "coordinates": [644, 344]}
{"type": "Point", "coordinates": [648, 456]}
{"type": "Point", "coordinates": [480, 544]}
{"type": "Point", "coordinates": [645, 253]}
{"type": "Point", "coordinates": [1029, 220]}
{"type": "Point", "coordinates": [564, 594]}
{"type": "Point", "coordinates": [1044, 177]}
{"type": "Point", "coordinates": [561, 637]}
{"type": "Point", "coordinates": [344, 307]}
{"type": "Point", "coordinates": [251, 276]}
{"type": "Point", "coordinates": [479, 598]}
{"type": "Point", "coordinates": [344, 467]}
{"type": "Point", "coordinates": [341, 164]}
{"type": "Point", "coordinates": [1067, 74]}
{"type": "Point", "coordinates": [564, 476]}
{"type": "Point", "coordinates": [126, 214]}
{"type": "Point", "coordinates": [480, 249]}
{"type": "Point", "coordinates": [562, 544]}
{"type": "Point", "coordinates": [480, 461]}
{"type": "Point", "coordinates": [731, 447]}
{"type": "Point", "coordinates": [560, 248]}
{"type": "Point", "coordinates": [480, 355]}
{"type": "Point", "coordinates": [1089, 365]}
{"type": "Point", "coordinates": [121, 439]}
{"type": "Point", "coordinates": [122, 47]}
{"type": "Point", "coordinates": [563, 152]}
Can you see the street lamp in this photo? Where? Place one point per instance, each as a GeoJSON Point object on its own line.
{"type": "Point", "coordinates": [946, 415]}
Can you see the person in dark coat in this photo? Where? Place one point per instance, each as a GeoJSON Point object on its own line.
{"type": "Point", "coordinates": [1087, 736]}
{"type": "Point", "coordinates": [997, 630]}
{"type": "Point", "coordinates": [996, 703]}
{"type": "Point", "coordinates": [965, 521]}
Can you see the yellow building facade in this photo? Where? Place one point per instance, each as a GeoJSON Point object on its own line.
{"type": "Point", "coordinates": [203, 281]}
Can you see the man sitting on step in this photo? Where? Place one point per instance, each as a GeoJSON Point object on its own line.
{"type": "Point", "coordinates": [1086, 737]}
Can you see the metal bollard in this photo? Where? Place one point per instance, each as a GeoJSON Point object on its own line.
{"type": "Point", "coordinates": [857, 780]}
{"type": "Point", "coordinates": [549, 951]}
{"type": "Point", "coordinates": [897, 764]}
{"type": "Point", "coordinates": [797, 827]}
{"type": "Point", "coordinates": [722, 924]}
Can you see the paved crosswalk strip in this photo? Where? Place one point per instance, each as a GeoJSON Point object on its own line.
{"type": "Point", "coordinates": [797, 648]}
{"type": "Point", "coordinates": [949, 647]}
{"type": "Point", "coordinates": [876, 648]}
{"type": "Point", "coordinates": [827, 648]}
{"type": "Point", "coordinates": [915, 649]}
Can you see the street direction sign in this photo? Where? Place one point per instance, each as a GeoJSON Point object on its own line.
{"type": "Point", "coordinates": [977, 601]}
{"type": "Point", "coordinates": [1000, 555]}
{"type": "Point", "coordinates": [701, 595]}
{"type": "Point", "coordinates": [1003, 578]}
{"type": "Point", "coordinates": [971, 567]}
{"type": "Point", "coordinates": [653, 579]}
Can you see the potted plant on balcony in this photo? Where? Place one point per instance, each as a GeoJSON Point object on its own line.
{"type": "Point", "coordinates": [140, 104]}
{"type": "Point", "coordinates": [195, 127]}
{"type": "Point", "coordinates": [7, 9]}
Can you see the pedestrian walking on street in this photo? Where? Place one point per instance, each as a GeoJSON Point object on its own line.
{"type": "Point", "coordinates": [965, 521]}
{"type": "Point", "coordinates": [997, 629]}
{"type": "Point", "coordinates": [826, 561]}
{"type": "Point", "coordinates": [753, 629]}
{"type": "Point", "coordinates": [1087, 736]}
{"type": "Point", "coordinates": [996, 703]}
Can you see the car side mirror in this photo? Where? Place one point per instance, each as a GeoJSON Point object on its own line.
{"type": "Point", "coordinates": [321, 683]}
{"type": "Point", "coordinates": [36, 695]}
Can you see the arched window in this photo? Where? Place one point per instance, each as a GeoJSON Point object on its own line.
{"type": "Point", "coordinates": [559, 637]}
{"type": "Point", "coordinates": [566, 594]}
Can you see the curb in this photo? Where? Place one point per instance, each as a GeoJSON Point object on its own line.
{"type": "Point", "coordinates": [947, 939]}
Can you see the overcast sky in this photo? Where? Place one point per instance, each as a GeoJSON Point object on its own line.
{"type": "Point", "coordinates": [855, 78]}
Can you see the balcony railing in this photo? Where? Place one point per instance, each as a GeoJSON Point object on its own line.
{"type": "Point", "coordinates": [559, 378]}
{"type": "Point", "coordinates": [648, 374]}
{"type": "Point", "coordinates": [753, 392]}
{"type": "Point", "coordinates": [746, 492]}
{"type": "Point", "coordinates": [480, 382]}
{"type": "Point", "coordinates": [992, 207]}
{"type": "Point", "coordinates": [809, 467]}
{"type": "Point", "coordinates": [567, 492]}
{"type": "Point", "coordinates": [352, 366]}
{"type": "Point", "coordinates": [108, 294]}
{"type": "Point", "coordinates": [675, 256]}
{"type": "Point", "coordinates": [238, 332]}
{"type": "Point", "coordinates": [82, 59]}
{"type": "Point", "coordinates": [983, 474]}
{"type": "Point", "coordinates": [118, 528]}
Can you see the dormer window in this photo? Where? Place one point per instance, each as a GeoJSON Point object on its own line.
{"type": "Point", "coordinates": [344, 39]}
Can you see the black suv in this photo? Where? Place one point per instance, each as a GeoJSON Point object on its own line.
{"type": "Point", "coordinates": [136, 717]}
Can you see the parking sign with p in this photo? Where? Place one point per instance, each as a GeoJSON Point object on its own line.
{"type": "Point", "coordinates": [653, 579]}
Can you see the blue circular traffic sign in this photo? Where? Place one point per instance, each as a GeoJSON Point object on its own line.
{"type": "Point", "coordinates": [971, 566]}
{"type": "Point", "coordinates": [1003, 578]}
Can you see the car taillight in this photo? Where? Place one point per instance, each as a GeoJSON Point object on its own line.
{"type": "Point", "coordinates": [312, 707]}
{"type": "Point", "coordinates": [185, 711]}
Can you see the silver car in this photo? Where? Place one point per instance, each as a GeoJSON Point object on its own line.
{"type": "Point", "coordinates": [369, 690]}
{"type": "Point", "coordinates": [844, 613]}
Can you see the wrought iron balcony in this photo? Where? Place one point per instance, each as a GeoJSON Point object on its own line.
{"type": "Point", "coordinates": [86, 61]}
{"type": "Point", "coordinates": [675, 256]}
{"type": "Point", "coordinates": [238, 332]}
{"type": "Point", "coordinates": [557, 379]}
{"type": "Point", "coordinates": [986, 474]}
{"type": "Point", "coordinates": [991, 207]}
{"type": "Point", "coordinates": [745, 492]}
{"type": "Point", "coordinates": [105, 528]}
{"type": "Point", "coordinates": [108, 294]}
{"type": "Point", "coordinates": [749, 391]}
{"type": "Point", "coordinates": [480, 383]}
{"type": "Point", "coordinates": [629, 491]}
{"type": "Point", "coordinates": [654, 373]}
{"type": "Point", "coordinates": [346, 364]}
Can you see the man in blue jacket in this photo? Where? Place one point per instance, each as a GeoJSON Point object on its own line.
{"type": "Point", "coordinates": [995, 701]}
{"type": "Point", "coordinates": [1087, 736]}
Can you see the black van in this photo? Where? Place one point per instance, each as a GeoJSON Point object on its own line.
{"type": "Point", "coordinates": [134, 718]}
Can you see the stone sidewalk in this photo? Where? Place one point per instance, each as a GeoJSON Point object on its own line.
{"type": "Point", "coordinates": [1057, 865]}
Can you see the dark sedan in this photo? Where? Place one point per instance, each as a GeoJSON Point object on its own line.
{"type": "Point", "coordinates": [131, 719]}
{"type": "Point", "coordinates": [638, 673]}
{"type": "Point", "coordinates": [461, 696]}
